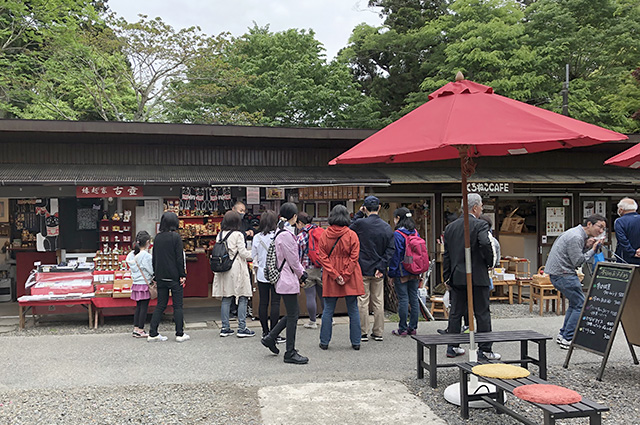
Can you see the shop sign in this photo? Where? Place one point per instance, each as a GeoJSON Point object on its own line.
{"type": "Point", "coordinates": [275, 193]}
{"type": "Point", "coordinates": [108, 191]}
{"type": "Point", "coordinates": [253, 195]}
{"type": "Point", "coordinates": [490, 187]}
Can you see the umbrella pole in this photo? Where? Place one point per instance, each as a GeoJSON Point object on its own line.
{"type": "Point", "coordinates": [465, 172]}
{"type": "Point", "coordinates": [452, 392]}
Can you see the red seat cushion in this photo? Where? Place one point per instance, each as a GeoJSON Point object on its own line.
{"type": "Point", "coordinates": [547, 394]}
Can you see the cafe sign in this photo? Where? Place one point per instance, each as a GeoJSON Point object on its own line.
{"type": "Point", "coordinates": [490, 187]}
{"type": "Point", "coordinates": [108, 191]}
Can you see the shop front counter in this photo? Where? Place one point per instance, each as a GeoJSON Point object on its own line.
{"type": "Point", "coordinates": [107, 306]}
{"type": "Point", "coordinates": [199, 275]}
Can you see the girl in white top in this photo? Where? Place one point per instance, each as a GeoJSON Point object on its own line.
{"type": "Point", "coordinates": [261, 242]}
{"type": "Point", "coordinates": [141, 266]}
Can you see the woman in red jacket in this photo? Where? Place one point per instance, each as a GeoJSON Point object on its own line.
{"type": "Point", "coordinates": [339, 249]}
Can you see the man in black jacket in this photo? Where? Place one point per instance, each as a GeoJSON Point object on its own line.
{"type": "Point", "coordinates": [376, 249]}
{"type": "Point", "coordinates": [454, 271]}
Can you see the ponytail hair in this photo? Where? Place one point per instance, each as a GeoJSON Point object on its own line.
{"type": "Point", "coordinates": [404, 219]}
{"type": "Point", "coordinates": [287, 211]}
{"type": "Point", "coordinates": [142, 239]}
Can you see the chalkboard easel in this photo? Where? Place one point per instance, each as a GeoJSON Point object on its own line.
{"type": "Point", "coordinates": [613, 286]}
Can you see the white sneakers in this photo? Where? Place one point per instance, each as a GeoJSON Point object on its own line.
{"type": "Point", "coordinates": [564, 343]}
{"type": "Point", "coordinates": [183, 338]}
{"type": "Point", "coordinates": [311, 325]}
{"type": "Point", "coordinates": [159, 338]}
{"type": "Point", "coordinates": [156, 338]}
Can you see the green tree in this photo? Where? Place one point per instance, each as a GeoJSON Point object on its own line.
{"type": "Point", "coordinates": [289, 83]}
{"type": "Point", "coordinates": [600, 40]}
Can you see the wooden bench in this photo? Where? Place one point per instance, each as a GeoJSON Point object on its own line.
{"type": "Point", "coordinates": [552, 412]}
{"type": "Point", "coordinates": [431, 342]}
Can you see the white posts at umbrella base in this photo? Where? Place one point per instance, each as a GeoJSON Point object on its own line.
{"type": "Point", "coordinates": [452, 393]}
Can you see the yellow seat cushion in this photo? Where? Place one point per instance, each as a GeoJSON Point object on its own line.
{"type": "Point", "coordinates": [500, 371]}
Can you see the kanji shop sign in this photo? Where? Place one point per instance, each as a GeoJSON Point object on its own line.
{"type": "Point", "coordinates": [108, 191]}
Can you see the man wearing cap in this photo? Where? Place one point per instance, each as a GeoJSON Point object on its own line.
{"type": "Point", "coordinates": [376, 249]}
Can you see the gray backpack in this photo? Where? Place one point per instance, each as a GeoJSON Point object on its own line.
{"type": "Point", "coordinates": [271, 269]}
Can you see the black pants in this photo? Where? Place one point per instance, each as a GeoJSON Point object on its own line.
{"type": "Point", "coordinates": [290, 321]}
{"type": "Point", "coordinates": [140, 314]}
{"type": "Point", "coordinates": [268, 292]}
{"type": "Point", "coordinates": [459, 309]}
{"type": "Point", "coordinates": [163, 300]}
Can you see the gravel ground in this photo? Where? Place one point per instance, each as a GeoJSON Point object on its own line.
{"type": "Point", "coordinates": [619, 390]}
{"type": "Point", "coordinates": [212, 403]}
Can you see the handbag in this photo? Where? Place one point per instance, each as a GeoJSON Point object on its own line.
{"type": "Point", "coordinates": [153, 288]}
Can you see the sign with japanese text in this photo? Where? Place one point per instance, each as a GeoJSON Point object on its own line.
{"type": "Point", "coordinates": [490, 187]}
{"type": "Point", "coordinates": [109, 191]}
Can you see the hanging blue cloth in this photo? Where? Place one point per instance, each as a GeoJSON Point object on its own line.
{"type": "Point", "coordinates": [598, 257]}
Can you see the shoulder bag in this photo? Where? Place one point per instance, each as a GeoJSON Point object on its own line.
{"type": "Point", "coordinates": [153, 288]}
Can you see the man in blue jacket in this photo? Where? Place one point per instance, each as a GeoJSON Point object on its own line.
{"type": "Point", "coordinates": [376, 249]}
{"type": "Point", "coordinates": [627, 229]}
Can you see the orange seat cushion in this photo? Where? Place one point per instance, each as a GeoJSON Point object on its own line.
{"type": "Point", "coordinates": [547, 394]}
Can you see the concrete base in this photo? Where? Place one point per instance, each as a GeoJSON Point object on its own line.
{"type": "Point", "coordinates": [452, 393]}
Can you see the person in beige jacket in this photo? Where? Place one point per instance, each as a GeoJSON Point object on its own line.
{"type": "Point", "coordinates": [236, 281]}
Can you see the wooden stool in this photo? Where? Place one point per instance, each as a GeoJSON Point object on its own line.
{"type": "Point", "coordinates": [437, 306]}
{"type": "Point", "coordinates": [540, 293]}
{"type": "Point", "coordinates": [523, 283]}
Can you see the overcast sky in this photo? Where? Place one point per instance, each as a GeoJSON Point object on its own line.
{"type": "Point", "coordinates": [332, 20]}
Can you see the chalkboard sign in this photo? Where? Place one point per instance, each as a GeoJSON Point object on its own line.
{"type": "Point", "coordinates": [603, 306]}
{"type": "Point", "coordinates": [612, 286]}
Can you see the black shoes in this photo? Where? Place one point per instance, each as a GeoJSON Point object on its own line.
{"type": "Point", "coordinates": [355, 347]}
{"type": "Point", "coordinates": [324, 346]}
{"type": "Point", "coordinates": [270, 343]}
{"type": "Point", "coordinates": [364, 338]}
{"type": "Point", "coordinates": [295, 358]}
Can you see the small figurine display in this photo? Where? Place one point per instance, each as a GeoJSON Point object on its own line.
{"type": "Point", "coordinates": [116, 217]}
{"type": "Point", "coordinates": [126, 216]}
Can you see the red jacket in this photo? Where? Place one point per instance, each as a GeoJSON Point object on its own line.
{"type": "Point", "coordinates": [343, 262]}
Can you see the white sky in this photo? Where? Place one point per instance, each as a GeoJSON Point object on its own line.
{"type": "Point", "coordinates": [332, 20]}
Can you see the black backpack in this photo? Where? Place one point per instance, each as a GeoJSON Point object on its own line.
{"type": "Point", "coordinates": [220, 259]}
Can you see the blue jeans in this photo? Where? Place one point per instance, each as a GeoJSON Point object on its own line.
{"type": "Point", "coordinates": [242, 312]}
{"type": "Point", "coordinates": [407, 296]}
{"type": "Point", "coordinates": [327, 319]}
{"type": "Point", "coordinates": [571, 288]}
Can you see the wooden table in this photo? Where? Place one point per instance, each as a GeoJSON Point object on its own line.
{"type": "Point", "coordinates": [24, 307]}
{"type": "Point", "coordinates": [503, 290]}
{"type": "Point", "coordinates": [431, 342]}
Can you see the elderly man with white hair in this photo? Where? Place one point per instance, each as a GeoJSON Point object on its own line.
{"type": "Point", "coordinates": [627, 228]}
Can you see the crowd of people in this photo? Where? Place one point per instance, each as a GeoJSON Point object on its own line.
{"type": "Point", "coordinates": [347, 260]}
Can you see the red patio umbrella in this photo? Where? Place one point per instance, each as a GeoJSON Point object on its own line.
{"type": "Point", "coordinates": [466, 119]}
{"type": "Point", "coordinates": [629, 158]}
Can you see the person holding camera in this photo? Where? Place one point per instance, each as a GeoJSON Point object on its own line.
{"type": "Point", "coordinates": [292, 276]}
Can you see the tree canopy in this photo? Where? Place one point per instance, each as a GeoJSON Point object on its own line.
{"type": "Point", "coordinates": [74, 60]}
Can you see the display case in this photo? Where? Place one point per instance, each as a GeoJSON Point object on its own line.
{"type": "Point", "coordinates": [199, 232]}
{"type": "Point", "coordinates": [115, 235]}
